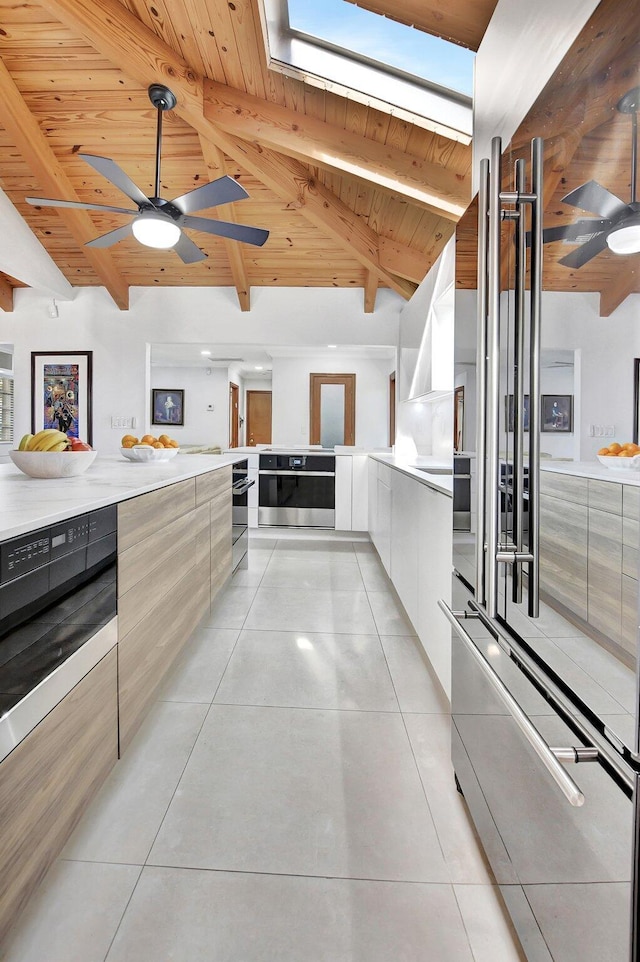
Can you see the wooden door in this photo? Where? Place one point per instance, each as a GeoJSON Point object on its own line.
{"type": "Point", "coordinates": [258, 417]}
{"type": "Point", "coordinates": [234, 394]}
{"type": "Point", "coordinates": [348, 381]}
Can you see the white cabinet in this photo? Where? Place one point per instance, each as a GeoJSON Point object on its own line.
{"type": "Point", "coordinates": [435, 520]}
{"type": "Point", "coordinates": [372, 500]}
{"type": "Point", "coordinates": [383, 544]}
{"type": "Point", "coordinates": [405, 493]}
{"type": "Point", "coordinates": [351, 492]}
{"type": "Point", "coordinates": [343, 493]}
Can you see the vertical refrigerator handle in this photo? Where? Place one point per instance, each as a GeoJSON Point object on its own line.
{"type": "Point", "coordinates": [481, 376]}
{"type": "Point", "coordinates": [537, 212]}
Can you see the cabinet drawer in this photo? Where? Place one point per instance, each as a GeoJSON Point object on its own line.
{"type": "Point", "coordinates": [605, 572]}
{"type": "Point", "coordinates": [139, 518]}
{"type": "Point", "coordinates": [210, 485]}
{"type": "Point", "coordinates": [631, 502]}
{"type": "Point", "coordinates": [605, 496]}
{"type": "Point", "coordinates": [564, 486]}
{"type": "Point", "coordinates": [629, 637]}
{"type": "Point", "coordinates": [563, 552]}
{"type": "Point", "coordinates": [157, 551]}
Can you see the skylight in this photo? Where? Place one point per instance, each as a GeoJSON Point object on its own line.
{"type": "Point", "coordinates": [385, 41]}
{"type": "Point", "coordinates": [373, 60]}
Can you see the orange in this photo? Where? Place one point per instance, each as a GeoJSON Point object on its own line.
{"type": "Point", "coordinates": [174, 444]}
{"type": "Point", "coordinates": [626, 454]}
{"type": "Point", "coordinates": [157, 444]}
{"type": "Point", "coordinates": [128, 444]}
{"type": "Point", "coordinates": [147, 439]}
{"type": "Point", "coordinates": [603, 451]}
{"type": "Point", "coordinates": [164, 438]}
{"type": "Point", "coordinates": [614, 448]}
{"type": "Point", "coordinates": [128, 437]}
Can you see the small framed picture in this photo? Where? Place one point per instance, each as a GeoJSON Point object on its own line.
{"type": "Point", "coordinates": [167, 406]}
{"type": "Point", "coordinates": [557, 413]}
{"type": "Point", "coordinates": [61, 392]}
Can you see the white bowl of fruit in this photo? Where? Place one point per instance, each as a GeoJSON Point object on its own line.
{"type": "Point", "coordinates": [51, 454]}
{"type": "Point", "coordinates": [149, 448]}
{"type": "Point", "coordinates": [620, 456]}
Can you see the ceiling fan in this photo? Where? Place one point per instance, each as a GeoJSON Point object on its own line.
{"type": "Point", "coordinates": [160, 223]}
{"type": "Point", "coordinates": [619, 224]}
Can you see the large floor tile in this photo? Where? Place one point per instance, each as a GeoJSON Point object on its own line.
{"type": "Point", "coordinates": [121, 822]}
{"type": "Point", "coordinates": [231, 607]}
{"type": "Point", "coordinates": [389, 615]}
{"type": "Point", "coordinates": [340, 552]}
{"type": "Point", "coordinates": [290, 572]}
{"type": "Point", "coordinates": [290, 669]}
{"type": "Point", "coordinates": [302, 792]}
{"type": "Point", "coordinates": [430, 737]}
{"type": "Point", "coordinates": [252, 918]}
{"type": "Point", "coordinates": [489, 930]}
{"type": "Point", "coordinates": [416, 686]}
{"type": "Point", "coordinates": [74, 915]}
{"type": "Point", "coordinates": [307, 609]}
{"type": "Point", "coordinates": [197, 673]}
{"type": "Point", "coordinates": [374, 576]}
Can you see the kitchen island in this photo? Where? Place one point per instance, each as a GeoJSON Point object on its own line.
{"type": "Point", "coordinates": [83, 694]}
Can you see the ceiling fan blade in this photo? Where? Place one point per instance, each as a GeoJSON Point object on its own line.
{"type": "Point", "coordinates": [224, 190]}
{"type": "Point", "coordinates": [47, 202]}
{"type": "Point", "coordinates": [187, 251]}
{"type": "Point", "coordinates": [239, 232]}
{"type": "Point", "coordinates": [106, 240]}
{"type": "Point", "coordinates": [109, 169]}
{"type": "Point", "coordinates": [584, 253]}
{"type": "Point", "coordinates": [573, 232]}
{"type": "Point", "coordinates": [596, 199]}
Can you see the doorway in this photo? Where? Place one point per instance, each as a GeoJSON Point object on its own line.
{"type": "Point", "coordinates": [234, 394]}
{"type": "Point", "coordinates": [258, 417]}
{"type": "Point", "coordinates": [332, 409]}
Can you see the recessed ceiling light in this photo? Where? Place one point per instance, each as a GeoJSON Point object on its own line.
{"type": "Point", "coordinates": [332, 345]}
{"type": "Point", "coordinates": [258, 367]}
{"type": "Point", "coordinates": [205, 352]}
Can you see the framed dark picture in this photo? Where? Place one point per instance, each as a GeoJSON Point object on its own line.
{"type": "Point", "coordinates": [636, 399]}
{"type": "Point", "coordinates": [557, 413]}
{"type": "Point", "coordinates": [61, 393]}
{"type": "Point", "coordinates": [167, 406]}
{"type": "Point", "coordinates": [510, 412]}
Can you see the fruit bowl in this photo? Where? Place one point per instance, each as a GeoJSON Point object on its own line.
{"type": "Point", "coordinates": [53, 464]}
{"type": "Point", "coordinates": [142, 452]}
{"type": "Point", "coordinates": [620, 464]}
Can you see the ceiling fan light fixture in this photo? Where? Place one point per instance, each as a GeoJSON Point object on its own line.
{"type": "Point", "coordinates": [625, 240]}
{"type": "Point", "coordinates": [154, 230]}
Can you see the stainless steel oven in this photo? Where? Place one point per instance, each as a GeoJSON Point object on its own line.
{"type": "Point", "coordinates": [57, 615]}
{"type": "Point", "coordinates": [297, 490]}
{"type": "Point", "coordinates": [240, 512]}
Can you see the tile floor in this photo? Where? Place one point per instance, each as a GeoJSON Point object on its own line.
{"type": "Point", "coordinates": [289, 797]}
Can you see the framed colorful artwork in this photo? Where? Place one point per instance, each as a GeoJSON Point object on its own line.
{"type": "Point", "coordinates": [167, 406]}
{"type": "Point", "coordinates": [61, 393]}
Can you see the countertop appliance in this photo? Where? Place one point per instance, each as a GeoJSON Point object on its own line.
{"type": "Point", "coordinates": [57, 595]}
{"type": "Point", "coordinates": [545, 693]}
{"type": "Point", "coordinates": [240, 513]}
{"type": "Point", "coordinates": [297, 489]}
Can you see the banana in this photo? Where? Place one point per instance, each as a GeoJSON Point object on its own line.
{"type": "Point", "coordinates": [60, 446]}
{"type": "Point", "coordinates": [24, 442]}
{"type": "Point", "coordinates": [45, 440]}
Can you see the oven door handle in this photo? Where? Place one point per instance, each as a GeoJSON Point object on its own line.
{"type": "Point", "coordinates": [303, 474]}
{"type": "Point", "coordinates": [550, 757]}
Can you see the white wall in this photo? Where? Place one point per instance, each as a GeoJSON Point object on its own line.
{"type": "Point", "coordinates": [290, 397]}
{"type": "Point", "coordinates": [120, 339]}
{"type": "Point", "coordinates": [203, 388]}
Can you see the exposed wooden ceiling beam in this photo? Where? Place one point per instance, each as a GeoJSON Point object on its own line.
{"type": "Point", "coordinates": [214, 159]}
{"type": "Point", "coordinates": [138, 52]}
{"type": "Point", "coordinates": [6, 295]}
{"type": "Point", "coordinates": [460, 21]}
{"type": "Point", "coordinates": [370, 291]}
{"type": "Point", "coordinates": [405, 261]}
{"type": "Point", "coordinates": [19, 122]}
{"type": "Point", "coordinates": [313, 141]}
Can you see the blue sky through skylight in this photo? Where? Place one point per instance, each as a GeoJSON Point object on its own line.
{"type": "Point", "coordinates": [386, 41]}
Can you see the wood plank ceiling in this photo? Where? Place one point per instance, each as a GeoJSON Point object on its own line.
{"type": "Point", "coordinates": [74, 76]}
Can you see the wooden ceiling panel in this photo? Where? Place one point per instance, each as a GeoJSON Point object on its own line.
{"type": "Point", "coordinates": [461, 21]}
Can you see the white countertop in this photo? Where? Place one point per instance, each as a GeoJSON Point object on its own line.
{"type": "Point", "coordinates": [592, 469]}
{"type": "Point", "coordinates": [412, 466]}
{"type": "Point", "coordinates": [29, 503]}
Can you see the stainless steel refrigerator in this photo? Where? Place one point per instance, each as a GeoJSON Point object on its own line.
{"type": "Point", "coordinates": [545, 692]}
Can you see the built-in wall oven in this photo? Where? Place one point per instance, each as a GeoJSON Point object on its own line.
{"type": "Point", "coordinates": [57, 615]}
{"type": "Point", "coordinates": [297, 490]}
{"type": "Point", "coordinates": [240, 512]}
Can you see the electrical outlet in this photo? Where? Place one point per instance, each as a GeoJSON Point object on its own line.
{"type": "Point", "coordinates": [610, 431]}
{"type": "Point", "coordinates": [121, 422]}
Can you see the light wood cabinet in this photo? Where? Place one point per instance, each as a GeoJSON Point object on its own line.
{"type": "Point", "coordinates": [589, 541]}
{"type": "Point", "coordinates": [48, 780]}
{"type": "Point", "coordinates": [174, 557]}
